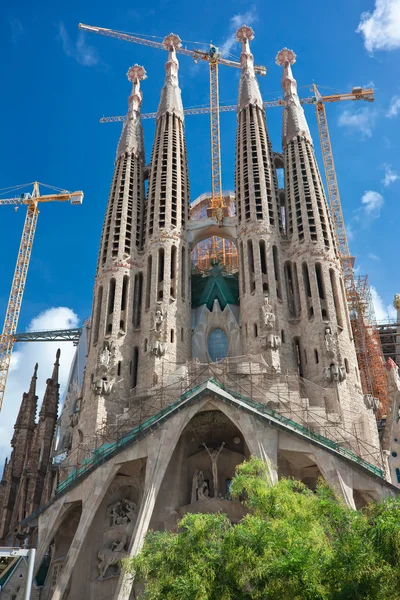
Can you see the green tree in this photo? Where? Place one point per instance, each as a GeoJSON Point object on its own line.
{"type": "Point", "coordinates": [294, 544]}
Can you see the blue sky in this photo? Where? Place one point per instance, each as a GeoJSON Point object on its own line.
{"type": "Point", "coordinates": [57, 82]}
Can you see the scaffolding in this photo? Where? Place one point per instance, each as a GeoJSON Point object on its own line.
{"type": "Point", "coordinates": [214, 249]}
{"type": "Point", "coordinates": [289, 399]}
{"type": "Point", "coordinates": [368, 345]}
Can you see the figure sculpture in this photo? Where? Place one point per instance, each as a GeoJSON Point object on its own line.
{"type": "Point", "coordinates": [104, 358]}
{"type": "Point", "coordinates": [200, 489]}
{"type": "Point", "coordinates": [267, 314]}
{"type": "Point", "coordinates": [214, 454]}
{"type": "Point", "coordinates": [111, 556]}
{"type": "Point", "coordinates": [330, 342]}
{"type": "Point", "coordinates": [122, 512]}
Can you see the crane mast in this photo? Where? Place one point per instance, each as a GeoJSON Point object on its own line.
{"type": "Point", "coordinates": [21, 270]}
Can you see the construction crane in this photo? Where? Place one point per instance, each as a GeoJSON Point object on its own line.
{"type": "Point", "coordinates": [214, 59]}
{"type": "Point", "coordinates": [356, 94]}
{"type": "Point", "coordinates": [31, 201]}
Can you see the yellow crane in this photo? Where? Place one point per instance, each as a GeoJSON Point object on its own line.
{"type": "Point", "coordinates": [214, 59]}
{"type": "Point", "coordinates": [356, 94]}
{"type": "Point", "coordinates": [31, 201]}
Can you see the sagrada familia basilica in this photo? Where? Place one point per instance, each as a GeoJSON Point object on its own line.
{"type": "Point", "coordinates": [189, 373]}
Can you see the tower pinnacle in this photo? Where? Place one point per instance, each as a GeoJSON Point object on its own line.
{"type": "Point", "coordinates": [249, 92]}
{"type": "Point", "coordinates": [131, 139]}
{"type": "Point", "coordinates": [171, 100]}
{"type": "Point", "coordinates": [294, 121]}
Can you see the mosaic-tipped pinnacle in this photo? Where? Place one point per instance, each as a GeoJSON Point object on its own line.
{"type": "Point", "coordinates": [172, 40]}
{"type": "Point", "coordinates": [136, 73]}
{"type": "Point", "coordinates": [285, 56]}
{"type": "Point", "coordinates": [245, 33]}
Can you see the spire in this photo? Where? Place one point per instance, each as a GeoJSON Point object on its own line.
{"type": "Point", "coordinates": [249, 91]}
{"type": "Point", "coordinates": [131, 139]}
{"type": "Point", "coordinates": [50, 399]}
{"type": "Point", "coordinates": [171, 100]}
{"type": "Point", "coordinates": [27, 412]}
{"type": "Point", "coordinates": [294, 120]}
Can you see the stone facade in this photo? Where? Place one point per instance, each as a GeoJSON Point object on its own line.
{"type": "Point", "coordinates": [28, 479]}
{"type": "Point", "coordinates": [188, 376]}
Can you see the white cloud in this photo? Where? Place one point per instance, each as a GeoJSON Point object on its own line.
{"type": "Point", "coordinates": [350, 232]}
{"type": "Point", "coordinates": [394, 107]}
{"type": "Point", "coordinates": [17, 29]}
{"type": "Point", "coordinates": [362, 120]}
{"type": "Point", "coordinates": [381, 28]}
{"type": "Point", "coordinates": [235, 22]}
{"type": "Point", "coordinates": [372, 204]}
{"type": "Point", "coordinates": [83, 53]}
{"type": "Point", "coordinates": [373, 256]}
{"type": "Point", "coordinates": [382, 313]}
{"type": "Point", "coordinates": [22, 364]}
{"type": "Point", "coordinates": [390, 175]}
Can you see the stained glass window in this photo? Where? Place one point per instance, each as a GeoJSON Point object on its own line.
{"type": "Point", "coordinates": [218, 344]}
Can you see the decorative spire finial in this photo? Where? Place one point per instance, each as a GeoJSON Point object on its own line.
{"type": "Point", "coordinates": [132, 135]}
{"type": "Point", "coordinates": [294, 120]}
{"type": "Point", "coordinates": [171, 100]}
{"type": "Point", "coordinates": [249, 92]}
{"type": "Point", "coordinates": [245, 33]}
{"type": "Point", "coordinates": [136, 73]}
{"type": "Point", "coordinates": [285, 56]}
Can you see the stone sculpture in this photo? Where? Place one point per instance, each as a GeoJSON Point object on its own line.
{"type": "Point", "coordinates": [101, 386]}
{"type": "Point", "coordinates": [335, 373]}
{"type": "Point", "coordinates": [200, 489]}
{"type": "Point", "coordinates": [214, 454]}
{"type": "Point", "coordinates": [267, 314]}
{"type": "Point", "coordinates": [104, 358]}
{"type": "Point", "coordinates": [111, 556]}
{"type": "Point", "coordinates": [396, 301]}
{"type": "Point", "coordinates": [122, 512]}
{"type": "Point", "coordinates": [330, 342]}
{"type": "Point", "coordinates": [273, 341]}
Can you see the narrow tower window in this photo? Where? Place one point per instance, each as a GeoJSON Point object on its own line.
{"type": "Point", "coordinates": [297, 351]}
{"type": "Point", "coordinates": [250, 257]}
{"type": "Point", "coordinates": [125, 284]}
{"type": "Point", "coordinates": [307, 289]}
{"type": "Point", "coordinates": [111, 297]}
{"type": "Point", "coordinates": [277, 272]}
{"type": "Point", "coordinates": [183, 268]}
{"type": "Point", "coordinates": [135, 366]}
{"type": "Point", "coordinates": [243, 278]}
{"type": "Point", "coordinates": [263, 258]}
{"type": "Point", "coordinates": [148, 281]}
{"type": "Point", "coordinates": [137, 300]}
{"type": "Point", "coordinates": [321, 290]}
{"type": "Point", "coordinates": [173, 272]}
{"type": "Point", "coordinates": [98, 314]}
{"type": "Point", "coordinates": [336, 300]}
{"type": "Point", "coordinates": [160, 286]}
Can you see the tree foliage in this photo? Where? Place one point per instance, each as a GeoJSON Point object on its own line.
{"type": "Point", "coordinates": [294, 544]}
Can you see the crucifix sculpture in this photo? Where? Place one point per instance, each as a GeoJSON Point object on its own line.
{"type": "Point", "coordinates": [214, 454]}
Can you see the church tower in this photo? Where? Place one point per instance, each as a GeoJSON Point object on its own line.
{"type": "Point", "coordinates": [165, 320]}
{"type": "Point", "coordinates": [259, 218]}
{"type": "Point", "coordinates": [21, 442]}
{"type": "Point", "coordinates": [321, 331]}
{"type": "Point", "coordinates": [113, 349]}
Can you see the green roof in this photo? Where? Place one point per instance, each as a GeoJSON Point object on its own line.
{"type": "Point", "coordinates": [217, 284]}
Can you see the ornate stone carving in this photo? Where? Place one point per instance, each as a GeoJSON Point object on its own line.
{"type": "Point", "coordinates": [335, 373]}
{"type": "Point", "coordinates": [157, 344]}
{"type": "Point", "coordinates": [122, 512]}
{"type": "Point", "coordinates": [396, 301]}
{"type": "Point", "coordinates": [214, 454]}
{"type": "Point", "coordinates": [102, 386]}
{"type": "Point", "coordinates": [267, 314]}
{"type": "Point", "coordinates": [371, 403]}
{"type": "Point", "coordinates": [200, 489]}
{"type": "Point", "coordinates": [273, 341]}
{"type": "Point", "coordinates": [111, 556]}
{"type": "Point", "coordinates": [104, 358]}
{"type": "Point", "coordinates": [330, 343]}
